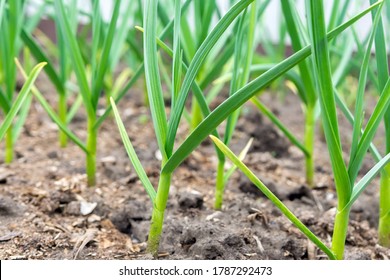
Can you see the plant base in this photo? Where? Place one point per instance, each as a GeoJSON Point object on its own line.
{"type": "Point", "coordinates": [9, 146]}
{"type": "Point", "coordinates": [157, 222]}
{"type": "Point", "coordinates": [384, 209]}
{"type": "Point", "coordinates": [219, 186]}
{"type": "Point", "coordinates": [91, 155]}
{"type": "Point", "coordinates": [340, 233]}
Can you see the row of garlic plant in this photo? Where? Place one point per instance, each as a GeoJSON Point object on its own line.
{"type": "Point", "coordinates": [383, 80]}
{"type": "Point", "coordinates": [11, 26]}
{"type": "Point", "coordinates": [93, 63]}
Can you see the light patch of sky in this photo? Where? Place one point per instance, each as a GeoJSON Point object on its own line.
{"type": "Point", "coordinates": [273, 15]}
{"type": "Point", "coordinates": [270, 21]}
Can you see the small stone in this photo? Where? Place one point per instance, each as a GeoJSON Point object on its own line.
{"type": "Point", "coordinates": [108, 159]}
{"type": "Point", "coordinates": [329, 196]}
{"type": "Point", "coordinates": [52, 155]}
{"type": "Point", "coordinates": [98, 191]}
{"type": "Point", "coordinates": [158, 155]}
{"type": "Point", "coordinates": [190, 199]}
{"type": "Point", "coordinates": [94, 218]}
{"type": "Point", "coordinates": [52, 169]}
{"type": "Point", "coordinates": [87, 208]}
{"type": "Point", "coordinates": [3, 179]}
{"type": "Point", "coordinates": [214, 216]}
{"type": "Point", "coordinates": [73, 208]}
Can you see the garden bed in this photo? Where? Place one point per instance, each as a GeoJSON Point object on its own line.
{"type": "Point", "coordinates": [47, 211]}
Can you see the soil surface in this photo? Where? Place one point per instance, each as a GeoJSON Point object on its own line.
{"type": "Point", "coordinates": [48, 212]}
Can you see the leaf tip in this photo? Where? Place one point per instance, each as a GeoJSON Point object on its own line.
{"type": "Point", "coordinates": [213, 138]}
{"type": "Point", "coordinates": [217, 141]}
{"type": "Point", "coordinates": [41, 64]}
{"type": "Point", "coordinates": [139, 28]}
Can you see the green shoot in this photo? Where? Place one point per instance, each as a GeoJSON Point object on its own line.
{"type": "Point", "coordinates": [243, 52]}
{"type": "Point", "coordinates": [20, 99]}
{"type": "Point", "coordinates": [383, 77]}
{"type": "Point", "coordinates": [12, 21]}
{"type": "Point", "coordinates": [38, 95]}
{"type": "Point", "coordinates": [10, 46]}
{"type": "Point", "coordinates": [344, 175]}
{"type": "Point", "coordinates": [309, 96]}
{"type": "Point", "coordinates": [102, 46]}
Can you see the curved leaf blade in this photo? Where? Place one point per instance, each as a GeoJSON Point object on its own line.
{"type": "Point", "coordinates": [40, 56]}
{"type": "Point", "coordinates": [327, 100]}
{"type": "Point", "coordinates": [20, 99]}
{"type": "Point", "coordinates": [365, 181]}
{"type": "Point", "coordinates": [270, 195]}
{"type": "Point", "coordinates": [75, 55]}
{"type": "Point", "coordinates": [132, 154]}
{"type": "Point", "coordinates": [46, 106]}
{"type": "Point", "coordinates": [371, 127]}
{"type": "Point", "coordinates": [152, 76]}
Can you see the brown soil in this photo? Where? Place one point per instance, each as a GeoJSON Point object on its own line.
{"type": "Point", "coordinates": [48, 212]}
